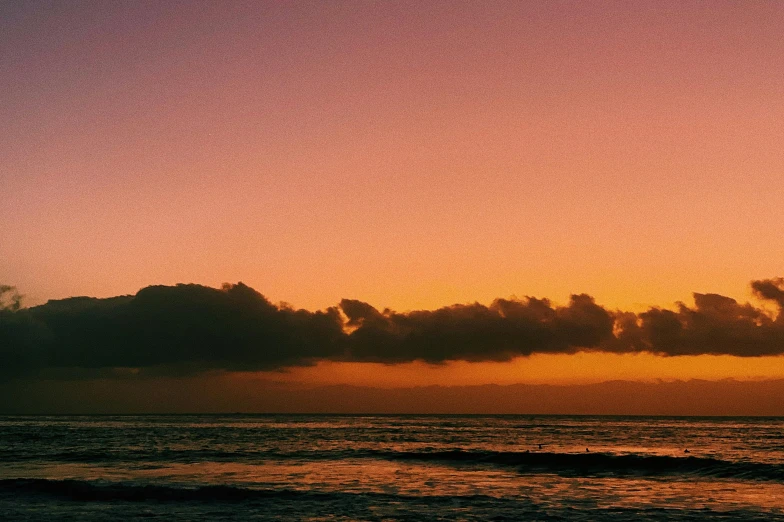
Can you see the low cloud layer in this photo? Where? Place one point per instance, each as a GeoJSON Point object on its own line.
{"type": "Point", "coordinates": [189, 329]}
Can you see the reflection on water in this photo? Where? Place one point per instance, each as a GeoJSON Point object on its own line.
{"type": "Point", "coordinates": [409, 479]}
{"type": "Point", "coordinates": [734, 467]}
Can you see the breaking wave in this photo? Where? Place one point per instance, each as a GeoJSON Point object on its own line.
{"type": "Point", "coordinates": [598, 464]}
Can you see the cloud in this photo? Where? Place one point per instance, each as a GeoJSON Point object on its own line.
{"type": "Point", "coordinates": [772, 290]}
{"type": "Point", "coordinates": [499, 332]}
{"type": "Point", "coordinates": [715, 325]}
{"type": "Point", "coordinates": [10, 298]}
{"type": "Point", "coordinates": [179, 329]}
{"type": "Point", "coordinates": [220, 392]}
{"type": "Point", "coordinates": [190, 329]}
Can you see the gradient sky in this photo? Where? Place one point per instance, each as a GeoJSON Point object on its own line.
{"type": "Point", "coordinates": [409, 154]}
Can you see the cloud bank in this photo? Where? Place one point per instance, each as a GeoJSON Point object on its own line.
{"type": "Point", "coordinates": [189, 329]}
{"type": "Point", "coordinates": [219, 393]}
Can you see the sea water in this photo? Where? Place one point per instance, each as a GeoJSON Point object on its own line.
{"type": "Point", "coordinates": [390, 467]}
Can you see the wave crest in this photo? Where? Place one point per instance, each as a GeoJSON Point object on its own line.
{"type": "Point", "coordinates": [601, 464]}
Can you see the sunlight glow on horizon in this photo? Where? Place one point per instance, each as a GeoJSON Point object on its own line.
{"type": "Point", "coordinates": [409, 155]}
{"type": "Point", "coordinates": [561, 369]}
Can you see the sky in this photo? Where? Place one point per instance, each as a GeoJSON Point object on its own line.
{"type": "Point", "coordinates": [409, 157]}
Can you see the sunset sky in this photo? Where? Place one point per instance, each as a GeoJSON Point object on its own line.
{"type": "Point", "coordinates": [411, 156]}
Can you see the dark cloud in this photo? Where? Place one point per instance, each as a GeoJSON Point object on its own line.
{"type": "Point", "coordinates": [188, 329]}
{"type": "Point", "coordinates": [219, 392]}
{"type": "Point", "coordinates": [180, 329]}
{"type": "Point", "coordinates": [10, 299]}
{"type": "Point", "coordinates": [772, 290]}
{"type": "Point", "coordinates": [499, 332]}
{"type": "Point", "coordinates": [715, 325]}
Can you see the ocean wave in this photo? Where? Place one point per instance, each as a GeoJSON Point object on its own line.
{"type": "Point", "coordinates": [600, 464]}
{"type": "Point", "coordinates": [595, 464]}
{"type": "Point", "coordinates": [31, 499]}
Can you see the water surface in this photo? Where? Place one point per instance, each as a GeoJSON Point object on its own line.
{"type": "Point", "coordinates": [321, 467]}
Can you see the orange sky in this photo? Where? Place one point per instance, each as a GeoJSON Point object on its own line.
{"type": "Point", "coordinates": [408, 155]}
{"type": "Point", "coordinates": [581, 368]}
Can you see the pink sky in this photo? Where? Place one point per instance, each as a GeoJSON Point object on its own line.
{"type": "Point", "coordinates": [408, 155]}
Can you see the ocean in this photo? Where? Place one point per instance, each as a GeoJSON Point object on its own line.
{"type": "Point", "coordinates": [390, 467]}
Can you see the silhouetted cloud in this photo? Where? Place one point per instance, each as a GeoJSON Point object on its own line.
{"type": "Point", "coordinates": [504, 330]}
{"type": "Point", "coordinates": [10, 299]}
{"type": "Point", "coordinates": [771, 289]}
{"type": "Point", "coordinates": [188, 329]}
{"type": "Point", "coordinates": [219, 392]}
{"type": "Point", "coordinates": [180, 329]}
{"type": "Point", "coordinates": [715, 325]}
